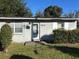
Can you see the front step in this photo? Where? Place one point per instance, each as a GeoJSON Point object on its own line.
{"type": "Point", "coordinates": [36, 39]}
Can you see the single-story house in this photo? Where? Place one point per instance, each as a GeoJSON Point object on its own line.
{"type": "Point", "coordinates": [34, 29]}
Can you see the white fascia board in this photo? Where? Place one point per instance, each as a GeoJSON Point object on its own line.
{"type": "Point", "coordinates": [39, 18]}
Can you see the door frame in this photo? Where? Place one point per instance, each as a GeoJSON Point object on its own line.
{"type": "Point", "coordinates": [38, 36]}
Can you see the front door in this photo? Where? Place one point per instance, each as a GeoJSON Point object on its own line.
{"type": "Point", "coordinates": [35, 32]}
{"type": "Point", "coordinates": [27, 31]}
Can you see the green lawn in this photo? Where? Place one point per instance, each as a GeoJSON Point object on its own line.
{"type": "Point", "coordinates": [32, 51]}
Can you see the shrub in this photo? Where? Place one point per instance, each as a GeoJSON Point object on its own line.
{"type": "Point", "coordinates": [64, 36]}
{"type": "Point", "coordinates": [5, 35]}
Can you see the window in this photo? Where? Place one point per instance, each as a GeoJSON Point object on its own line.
{"type": "Point", "coordinates": [18, 27]}
{"type": "Point", "coordinates": [60, 25]}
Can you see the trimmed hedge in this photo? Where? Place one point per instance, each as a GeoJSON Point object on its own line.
{"type": "Point", "coordinates": [64, 36]}
{"type": "Point", "coordinates": [5, 35]}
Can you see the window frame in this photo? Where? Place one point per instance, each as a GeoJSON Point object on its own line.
{"type": "Point", "coordinates": [15, 29]}
{"type": "Point", "coordinates": [13, 26]}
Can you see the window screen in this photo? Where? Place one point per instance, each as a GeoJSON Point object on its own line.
{"type": "Point", "coordinates": [18, 27]}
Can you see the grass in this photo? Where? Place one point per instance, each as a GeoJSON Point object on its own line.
{"type": "Point", "coordinates": [38, 51]}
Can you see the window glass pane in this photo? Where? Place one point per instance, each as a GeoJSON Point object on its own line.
{"type": "Point", "coordinates": [18, 30]}
{"type": "Point", "coordinates": [18, 27]}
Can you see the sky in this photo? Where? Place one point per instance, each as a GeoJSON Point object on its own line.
{"type": "Point", "coordinates": [40, 5]}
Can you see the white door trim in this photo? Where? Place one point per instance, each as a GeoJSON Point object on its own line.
{"type": "Point", "coordinates": [36, 28]}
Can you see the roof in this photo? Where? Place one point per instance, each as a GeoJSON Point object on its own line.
{"type": "Point", "coordinates": [24, 19]}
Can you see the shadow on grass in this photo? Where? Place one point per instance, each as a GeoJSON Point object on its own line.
{"type": "Point", "coordinates": [20, 57]}
{"type": "Point", "coordinates": [68, 50]}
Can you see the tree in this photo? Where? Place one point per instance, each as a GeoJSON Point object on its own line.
{"type": "Point", "coordinates": [14, 8]}
{"type": "Point", "coordinates": [76, 14]}
{"type": "Point", "coordinates": [39, 14]}
{"type": "Point", "coordinates": [53, 11]}
{"type": "Point", "coordinates": [5, 36]}
{"type": "Point", "coordinates": [72, 14]}
{"type": "Point", "coordinates": [69, 15]}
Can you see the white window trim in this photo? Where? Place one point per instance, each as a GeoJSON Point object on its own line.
{"type": "Point", "coordinates": [14, 30]}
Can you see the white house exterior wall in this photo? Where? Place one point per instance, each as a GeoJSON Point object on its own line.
{"type": "Point", "coordinates": [47, 28]}
{"type": "Point", "coordinates": [44, 29]}
{"type": "Point", "coordinates": [54, 25]}
{"type": "Point", "coordinates": [19, 38]}
{"type": "Point", "coordinates": [24, 36]}
{"type": "Point", "coordinates": [72, 25]}
{"type": "Point", "coordinates": [66, 25]}
{"type": "Point", "coordinates": [1, 24]}
{"type": "Point", "coordinates": [27, 33]}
